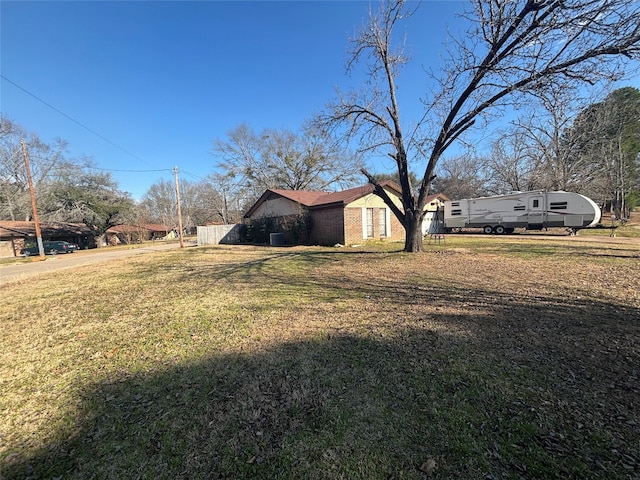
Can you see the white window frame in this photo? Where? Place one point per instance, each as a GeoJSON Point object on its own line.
{"type": "Point", "coordinates": [387, 222]}
{"type": "Point", "coordinates": [365, 219]}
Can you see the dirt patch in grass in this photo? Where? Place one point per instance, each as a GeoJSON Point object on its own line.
{"type": "Point", "coordinates": [475, 359]}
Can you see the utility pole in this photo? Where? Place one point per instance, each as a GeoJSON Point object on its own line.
{"type": "Point", "coordinates": [34, 208]}
{"type": "Point", "coordinates": [175, 171]}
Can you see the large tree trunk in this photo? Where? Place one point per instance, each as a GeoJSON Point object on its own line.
{"type": "Point", "coordinates": [413, 234]}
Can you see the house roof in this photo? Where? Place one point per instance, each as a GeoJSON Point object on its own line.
{"type": "Point", "coordinates": [347, 196]}
{"type": "Point", "coordinates": [156, 227]}
{"type": "Point", "coordinates": [316, 199]}
{"type": "Point", "coordinates": [124, 228]}
{"type": "Point", "coordinates": [433, 196]}
{"type": "Point", "coordinates": [9, 228]}
{"type": "Point", "coordinates": [304, 197]}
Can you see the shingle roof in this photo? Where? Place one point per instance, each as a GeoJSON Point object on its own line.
{"type": "Point", "coordinates": [156, 227]}
{"type": "Point", "coordinates": [9, 228]}
{"type": "Point", "coordinates": [306, 198]}
{"type": "Point", "coordinates": [316, 199]}
{"type": "Point", "coordinates": [433, 196]}
{"type": "Point", "coordinates": [124, 228]}
{"type": "Point", "coordinates": [348, 196]}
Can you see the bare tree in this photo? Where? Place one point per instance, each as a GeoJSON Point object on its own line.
{"type": "Point", "coordinates": [538, 150]}
{"type": "Point", "coordinates": [15, 202]}
{"type": "Point", "coordinates": [159, 203]}
{"type": "Point", "coordinates": [513, 163]}
{"type": "Point", "coordinates": [462, 177]}
{"type": "Point", "coordinates": [223, 198]}
{"type": "Point", "coordinates": [284, 159]}
{"type": "Point", "coordinates": [511, 49]}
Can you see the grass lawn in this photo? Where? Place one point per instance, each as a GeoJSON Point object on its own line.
{"type": "Point", "coordinates": [481, 358]}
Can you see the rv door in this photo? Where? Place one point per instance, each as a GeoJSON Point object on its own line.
{"type": "Point", "coordinates": [536, 210]}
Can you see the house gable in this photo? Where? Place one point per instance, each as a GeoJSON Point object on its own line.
{"type": "Point", "coordinates": [277, 206]}
{"type": "Point", "coordinates": [373, 201]}
{"type": "Point", "coordinates": [281, 203]}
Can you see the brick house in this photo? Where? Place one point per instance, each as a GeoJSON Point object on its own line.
{"type": "Point", "coordinates": [14, 235]}
{"type": "Point", "coordinates": [347, 217]}
{"type": "Point", "coordinates": [128, 234]}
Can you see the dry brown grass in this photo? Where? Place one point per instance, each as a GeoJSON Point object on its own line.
{"type": "Point", "coordinates": [509, 359]}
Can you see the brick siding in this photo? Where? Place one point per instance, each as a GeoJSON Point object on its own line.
{"type": "Point", "coordinates": [334, 225]}
{"type": "Point", "coordinates": [353, 227]}
{"type": "Point", "coordinates": [328, 226]}
{"type": "Point", "coordinates": [397, 230]}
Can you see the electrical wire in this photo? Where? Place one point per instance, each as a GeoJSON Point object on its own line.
{"type": "Point", "coordinates": [128, 171]}
{"type": "Point", "coordinates": [98, 135]}
{"type": "Point", "coordinates": [74, 120]}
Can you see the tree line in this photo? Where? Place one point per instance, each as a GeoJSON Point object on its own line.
{"type": "Point", "coordinates": [75, 190]}
{"type": "Point", "coordinates": [594, 151]}
{"type": "Point", "coordinates": [553, 145]}
{"type": "Point", "coordinates": [511, 51]}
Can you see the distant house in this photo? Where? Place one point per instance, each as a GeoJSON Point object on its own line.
{"type": "Point", "coordinates": [14, 236]}
{"type": "Point", "coordinates": [136, 233]}
{"type": "Point", "coordinates": [346, 217]}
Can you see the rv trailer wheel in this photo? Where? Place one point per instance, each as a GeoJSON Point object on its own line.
{"type": "Point", "coordinates": [498, 230]}
{"type": "Point", "coordinates": [487, 229]}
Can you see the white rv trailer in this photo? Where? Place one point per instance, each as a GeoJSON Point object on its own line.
{"type": "Point", "coordinates": [535, 210]}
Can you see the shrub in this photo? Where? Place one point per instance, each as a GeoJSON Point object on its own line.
{"type": "Point", "coordinates": [296, 229]}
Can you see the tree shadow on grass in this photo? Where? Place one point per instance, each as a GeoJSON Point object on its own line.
{"type": "Point", "coordinates": [262, 264]}
{"type": "Point", "coordinates": [515, 385]}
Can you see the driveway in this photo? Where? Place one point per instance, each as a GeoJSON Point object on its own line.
{"type": "Point", "coordinates": [54, 263]}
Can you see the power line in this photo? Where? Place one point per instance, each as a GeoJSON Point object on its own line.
{"type": "Point", "coordinates": [72, 119]}
{"type": "Point", "coordinates": [128, 171]}
{"type": "Point", "coordinates": [193, 175]}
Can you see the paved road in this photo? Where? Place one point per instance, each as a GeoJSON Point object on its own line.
{"type": "Point", "coordinates": [53, 263]}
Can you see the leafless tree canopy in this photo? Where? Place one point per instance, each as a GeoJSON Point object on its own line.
{"type": "Point", "coordinates": [284, 159]}
{"type": "Point", "coordinates": [15, 203]}
{"type": "Point", "coordinates": [511, 49]}
{"type": "Point", "coordinates": [590, 147]}
{"type": "Point", "coordinates": [462, 177]}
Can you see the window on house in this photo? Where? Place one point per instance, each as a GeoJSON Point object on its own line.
{"type": "Point", "coordinates": [369, 219]}
{"type": "Point", "coordinates": [382, 222]}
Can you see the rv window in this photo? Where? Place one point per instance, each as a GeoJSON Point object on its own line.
{"type": "Point", "coordinates": [536, 203]}
{"type": "Point", "coordinates": [455, 204]}
{"type": "Point", "coordinates": [558, 206]}
{"type": "Point", "coordinates": [519, 207]}
{"type": "Point", "coordinates": [456, 212]}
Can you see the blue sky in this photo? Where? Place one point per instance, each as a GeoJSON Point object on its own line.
{"type": "Point", "coordinates": [162, 79]}
{"type": "Point", "coordinates": [157, 81]}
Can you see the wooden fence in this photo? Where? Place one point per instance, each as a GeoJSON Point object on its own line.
{"type": "Point", "coordinates": [215, 234]}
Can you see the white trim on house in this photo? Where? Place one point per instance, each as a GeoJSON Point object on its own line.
{"type": "Point", "coordinates": [365, 225]}
{"type": "Point", "coordinates": [387, 212]}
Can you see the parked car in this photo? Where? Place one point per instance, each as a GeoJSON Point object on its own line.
{"type": "Point", "coordinates": [51, 248]}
